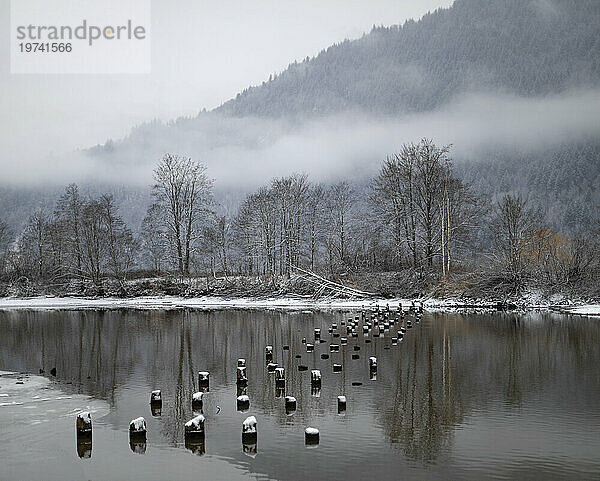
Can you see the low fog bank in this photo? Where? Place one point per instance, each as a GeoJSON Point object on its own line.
{"type": "Point", "coordinates": [242, 152]}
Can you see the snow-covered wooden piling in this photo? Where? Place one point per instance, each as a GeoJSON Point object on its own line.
{"type": "Point", "coordinates": [241, 362]}
{"type": "Point", "coordinates": [341, 401]}
{"type": "Point", "coordinates": [194, 428]}
{"type": "Point", "coordinates": [337, 367]}
{"type": "Point", "coordinates": [204, 379]}
{"type": "Point", "coordinates": [243, 403]}
{"type": "Point", "coordinates": [315, 377]}
{"type": "Point", "coordinates": [249, 430]}
{"type": "Point", "coordinates": [156, 398]}
{"type": "Point", "coordinates": [271, 367]}
{"type": "Point", "coordinates": [197, 403]}
{"type": "Point", "coordinates": [317, 333]}
{"type": "Point", "coordinates": [269, 353]}
{"type": "Point", "coordinates": [310, 347]}
{"type": "Point", "coordinates": [83, 424]}
{"type": "Point", "coordinates": [373, 363]}
{"type": "Point", "coordinates": [290, 404]}
{"type": "Point", "coordinates": [137, 429]}
{"type": "Point", "coordinates": [311, 436]}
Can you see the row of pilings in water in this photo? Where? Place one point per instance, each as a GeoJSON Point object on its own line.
{"type": "Point", "coordinates": [380, 320]}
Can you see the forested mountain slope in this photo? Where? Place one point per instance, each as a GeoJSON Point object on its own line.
{"type": "Point", "coordinates": [529, 48]}
{"type": "Point", "coordinates": [561, 183]}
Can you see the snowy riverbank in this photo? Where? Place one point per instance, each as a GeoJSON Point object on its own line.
{"type": "Point", "coordinates": [284, 303]}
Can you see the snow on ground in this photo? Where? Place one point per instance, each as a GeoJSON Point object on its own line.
{"type": "Point", "coordinates": [585, 310]}
{"type": "Point", "coordinates": [172, 302]}
{"type": "Point", "coordinates": [285, 303]}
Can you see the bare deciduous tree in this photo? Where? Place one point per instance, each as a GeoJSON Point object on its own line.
{"type": "Point", "coordinates": [33, 244]}
{"type": "Point", "coordinates": [341, 201]}
{"type": "Point", "coordinates": [512, 227]}
{"type": "Point", "coordinates": [119, 242]}
{"type": "Point", "coordinates": [183, 192]}
{"type": "Point", "coordinates": [68, 211]}
{"type": "Point", "coordinates": [92, 241]}
{"type": "Point", "coordinates": [417, 196]}
{"type": "Point", "coordinates": [5, 240]}
{"type": "Point", "coordinates": [316, 214]}
{"type": "Point", "coordinates": [154, 238]}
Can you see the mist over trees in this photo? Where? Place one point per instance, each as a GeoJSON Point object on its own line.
{"type": "Point", "coordinates": [416, 217]}
{"type": "Point", "coordinates": [486, 54]}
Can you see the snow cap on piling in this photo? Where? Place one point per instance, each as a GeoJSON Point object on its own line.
{"type": "Point", "coordinates": [249, 425]}
{"type": "Point", "coordinates": [84, 422]}
{"type": "Point", "coordinates": [290, 404]}
{"type": "Point", "coordinates": [137, 425]}
{"type": "Point", "coordinates": [311, 435]}
{"type": "Point", "coordinates": [155, 396]}
{"type": "Point", "coordinates": [195, 425]}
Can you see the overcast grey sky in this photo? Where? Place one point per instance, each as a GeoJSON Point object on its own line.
{"type": "Point", "coordinates": [203, 53]}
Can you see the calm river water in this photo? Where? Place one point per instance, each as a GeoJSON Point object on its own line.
{"type": "Point", "coordinates": [477, 396]}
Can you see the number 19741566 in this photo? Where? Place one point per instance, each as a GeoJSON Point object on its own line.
{"type": "Point", "coordinates": [45, 47]}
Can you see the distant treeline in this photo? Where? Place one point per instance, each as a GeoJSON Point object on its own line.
{"type": "Point", "coordinates": [416, 216]}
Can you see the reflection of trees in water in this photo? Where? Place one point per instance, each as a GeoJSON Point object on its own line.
{"type": "Point", "coordinates": [458, 363]}
{"type": "Point", "coordinates": [421, 413]}
{"type": "Point", "coordinates": [445, 369]}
